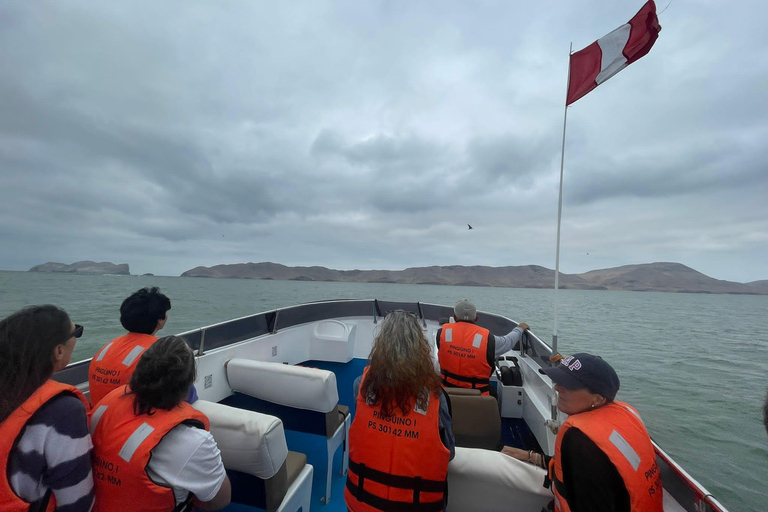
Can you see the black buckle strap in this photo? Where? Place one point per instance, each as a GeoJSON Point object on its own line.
{"type": "Point", "coordinates": [477, 383]}
{"type": "Point", "coordinates": [185, 506]}
{"type": "Point", "coordinates": [416, 484]}
{"type": "Point", "coordinates": [561, 489]}
{"type": "Point", "coordinates": [386, 505]}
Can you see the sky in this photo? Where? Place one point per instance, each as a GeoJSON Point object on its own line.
{"type": "Point", "coordinates": [367, 135]}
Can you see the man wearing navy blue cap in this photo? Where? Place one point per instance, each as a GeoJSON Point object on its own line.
{"type": "Point", "coordinates": [604, 459]}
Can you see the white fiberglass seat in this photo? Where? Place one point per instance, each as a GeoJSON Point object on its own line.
{"type": "Point", "coordinates": [263, 472]}
{"type": "Point", "coordinates": [306, 399]}
{"type": "Point", "coordinates": [488, 481]}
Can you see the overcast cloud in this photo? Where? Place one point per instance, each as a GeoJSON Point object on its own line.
{"type": "Point", "coordinates": [351, 134]}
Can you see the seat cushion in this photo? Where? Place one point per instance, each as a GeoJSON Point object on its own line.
{"type": "Point", "coordinates": [294, 463]}
{"type": "Point", "coordinates": [299, 387]}
{"type": "Point", "coordinates": [476, 421]}
{"type": "Point", "coordinates": [249, 441]}
{"type": "Point", "coordinates": [267, 494]}
{"type": "Point", "coordinates": [489, 481]}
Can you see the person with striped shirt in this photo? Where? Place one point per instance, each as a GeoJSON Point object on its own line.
{"type": "Point", "coordinates": [45, 445]}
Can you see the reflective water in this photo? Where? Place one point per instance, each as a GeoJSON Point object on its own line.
{"type": "Point", "coordinates": [694, 365]}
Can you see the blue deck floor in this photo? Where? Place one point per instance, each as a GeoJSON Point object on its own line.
{"type": "Point", "coordinates": [514, 433]}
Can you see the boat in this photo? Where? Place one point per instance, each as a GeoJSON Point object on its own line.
{"type": "Point", "coordinates": [277, 386]}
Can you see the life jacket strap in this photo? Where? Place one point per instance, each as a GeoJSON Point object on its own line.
{"type": "Point", "coordinates": [386, 505]}
{"type": "Point", "coordinates": [483, 384]}
{"type": "Point", "coordinates": [561, 489]}
{"type": "Point", "coordinates": [416, 484]}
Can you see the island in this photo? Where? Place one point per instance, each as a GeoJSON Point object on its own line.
{"type": "Point", "coordinates": [660, 277]}
{"type": "Point", "coordinates": [84, 267]}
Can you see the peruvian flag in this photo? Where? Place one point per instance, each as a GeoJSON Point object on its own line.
{"type": "Point", "coordinates": [610, 54]}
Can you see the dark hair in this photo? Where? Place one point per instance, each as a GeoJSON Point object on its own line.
{"type": "Point", "coordinates": [141, 311]}
{"type": "Point", "coordinates": [163, 375]}
{"type": "Point", "coordinates": [27, 341]}
{"type": "Point", "coordinates": [401, 366]}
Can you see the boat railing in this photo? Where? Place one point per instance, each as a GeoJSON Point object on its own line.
{"type": "Point", "coordinates": [219, 335]}
{"type": "Point", "coordinates": [270, 322]}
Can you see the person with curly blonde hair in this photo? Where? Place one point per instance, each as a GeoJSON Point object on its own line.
{"type": "Point", "coordinates": [401, 439]}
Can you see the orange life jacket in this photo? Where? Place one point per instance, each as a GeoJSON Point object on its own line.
{"type": "Point", "coordinates": [113, 366]}
{"type": "Point", "coordinates": [616, 428]}
{"type": "Point", "coordinates": [10, 432]}
{"type": "Point", "coordinates": [396, 462]}
{"type": "Point", "coordinates": [463, 356]}
{"type": "Point", "coordinates": [122, 445]}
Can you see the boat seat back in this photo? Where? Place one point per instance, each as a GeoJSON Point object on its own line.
{"type": "Point", "coordinates": [305, 399]}
{"type": "Point", "coordinates": [332, 340]}
{"type": "Point", "coordinates": [463, 391]}
{"type": "Point", "coordinates": [255, 454]}
{"type": "Point", "coordinates": [290, 388]}
{"type": "Point", "coordinates": [476, 419]}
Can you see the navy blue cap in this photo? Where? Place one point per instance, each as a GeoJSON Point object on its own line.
{"type": "Point", "coordinates": [585, 371]}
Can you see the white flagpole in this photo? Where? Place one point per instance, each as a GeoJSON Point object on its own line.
{"type": "Point", "coordinates": [552, 423]}
{"type": "Point", "coordinates": [560, 204]}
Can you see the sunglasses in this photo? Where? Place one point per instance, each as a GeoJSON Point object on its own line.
{"type": "Point", "coordinates": [76, 333]}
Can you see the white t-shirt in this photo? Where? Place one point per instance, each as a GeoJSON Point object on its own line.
{"type": "Point", "coordinates": [188, 460]}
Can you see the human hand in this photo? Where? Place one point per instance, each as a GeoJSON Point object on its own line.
{"type": "Point", "coordinates": [516, 453]}
{"type": "Point", "coordinates": [523, 326]}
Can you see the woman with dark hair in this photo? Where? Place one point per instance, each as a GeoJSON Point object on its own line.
{"type": "Point", "coordinates": [153, 448]}
{"type": "Point", "coordinates": [401, 440]}
{"type": "Point", "coordinates": [44, 441]}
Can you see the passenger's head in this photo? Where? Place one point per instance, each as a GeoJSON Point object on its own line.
{"type": "Point", "coordinates": [583, 382]}
{"type": "Point", "coordinates": [163, 375]}
{"type": "Point", "coordinates": [401, 367]}
{"type": "Point", "coordinates": [145, 311]}
{"type": "Point", "coordinates": [465, 310]}
{"type": "Point", "coordinates": [34, 343]}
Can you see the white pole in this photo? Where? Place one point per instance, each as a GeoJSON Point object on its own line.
{"type": "Point", "coordinates": [560, 205]}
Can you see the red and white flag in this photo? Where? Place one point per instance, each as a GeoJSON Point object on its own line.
{"type": "Point", "coordinates": [610, 54]}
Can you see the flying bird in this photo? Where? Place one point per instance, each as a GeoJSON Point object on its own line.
{"type": "Point", "coordinates": [469, 226]}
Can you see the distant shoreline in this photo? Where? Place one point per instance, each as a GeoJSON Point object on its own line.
{"type": "Point", "coordinates": [662, 277]}
{"type": "Point", "coordinates": [650, 277]}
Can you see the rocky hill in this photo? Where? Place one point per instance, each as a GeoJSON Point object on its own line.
{"type": "Point", "coordinates": [83, 267]}
{"type": "Point", "coordinates": [663, 277]}
{"type": "Point", "coordinates": [759, 285]}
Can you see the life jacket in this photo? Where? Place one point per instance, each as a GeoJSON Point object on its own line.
{"type": "Point", "coordinates": [398, 462]}
{"type": "Point", "coordinates": [122, 445]}
{"type": "Point", "coordinates": [616, 428]}
{"type": "Point", "coordinates": [114, 364]}
{"type": "Point", "coordinates": [463, 356]}
{"type": "Point", "coordinates": [10, 434]}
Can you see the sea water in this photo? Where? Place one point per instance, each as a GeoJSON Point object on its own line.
{"type": "Point", "coordinates": [696, 366]}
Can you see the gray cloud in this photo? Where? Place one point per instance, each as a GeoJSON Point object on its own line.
{"type": "Point", "coordinates": [362, 135]}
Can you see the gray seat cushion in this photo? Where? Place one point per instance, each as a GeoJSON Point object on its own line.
{"type": "Point", "coordinates": [476, 421]}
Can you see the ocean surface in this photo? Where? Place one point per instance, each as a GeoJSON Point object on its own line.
{"type": "Point", "coordinates": [696, 366]}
